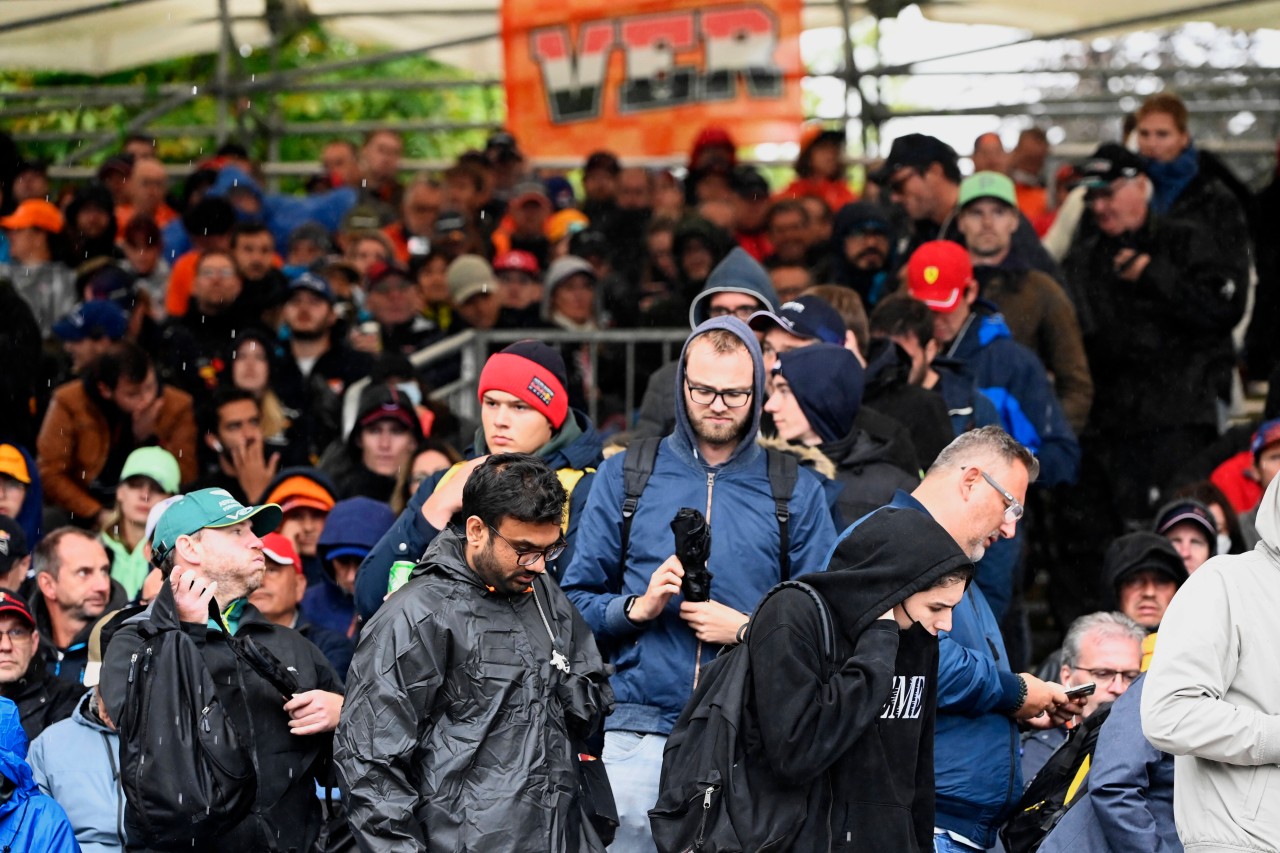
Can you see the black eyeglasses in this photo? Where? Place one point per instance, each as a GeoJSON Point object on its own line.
{"type": "Point", "coordinates": [1106, 676]}
{"type": "Point", "coordinates": [703, 396]}
{"type": "Point", "coordinates": [17, 635]}
{"type": "Point", "coordinates": [1014, 510]}
{"type": "Point", "coordinates": [742, 312]}
{"type": "Point", "coordinates": [527, 558]}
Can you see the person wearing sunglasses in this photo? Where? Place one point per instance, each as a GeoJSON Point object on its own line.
{"type": "Point", "coordinates": [475, 686]}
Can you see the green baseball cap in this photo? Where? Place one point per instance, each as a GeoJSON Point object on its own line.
{"type": "Point", "coordinates": [210, 508]}
{"type": "Point", "coordinates": [156, 463]}
{"type": "Point", "coordinates": [988, 185]}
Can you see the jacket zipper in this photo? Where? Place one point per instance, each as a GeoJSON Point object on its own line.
{"type": "Point", "coordinates": [697, 654]}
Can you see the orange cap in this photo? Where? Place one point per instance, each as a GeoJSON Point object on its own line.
{"type": "Point", "coordinates": [301, 492]}
{"type": "Point", "coordinates": [14, 464]}
{"type": "Point", "coordinates": [34, 213]}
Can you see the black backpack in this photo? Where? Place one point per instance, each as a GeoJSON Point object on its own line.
{"type": "Point", "coordinates": [1059, 784]}
{"type": "Point", "coordinates": [188, 774]}
{"type": "Point", "coordinates": [716, 795]}
{"type": "Point", "coordinates": [638, 465]}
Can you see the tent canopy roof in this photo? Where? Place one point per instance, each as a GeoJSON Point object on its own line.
{"type": "Point", "coordinates": [101, 36]}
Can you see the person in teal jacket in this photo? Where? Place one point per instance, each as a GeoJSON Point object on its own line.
{"type": "Point", "coordinates": [29, 820]}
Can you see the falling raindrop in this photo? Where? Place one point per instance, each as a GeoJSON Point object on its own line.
{"type": "Point", "coordinates": [179, 798]}
{"type": "Point", "coordinates": [195, 90]}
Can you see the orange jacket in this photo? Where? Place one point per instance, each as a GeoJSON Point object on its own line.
{"type": "Point", "coordinates": [75, 439]}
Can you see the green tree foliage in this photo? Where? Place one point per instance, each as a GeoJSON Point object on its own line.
{"type": "Point", "coordinates": [253, 113]}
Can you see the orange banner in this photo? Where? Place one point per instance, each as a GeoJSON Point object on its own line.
{"type": "Point", "coordinates": [643, 77]}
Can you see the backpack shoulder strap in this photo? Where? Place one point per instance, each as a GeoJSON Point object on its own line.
{"type": "Point", "coordinates": [637, 466]}
{"type": "Point", "coordinates": [824, 614]}
{"type": "Point", "coordinates": [783, 475]}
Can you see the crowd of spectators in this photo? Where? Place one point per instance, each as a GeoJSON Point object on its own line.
{"type": "Point", "coordinates": [167, 333]}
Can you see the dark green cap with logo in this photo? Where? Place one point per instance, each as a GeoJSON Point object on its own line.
{"type": "Point", "coordinates": [210, 508]}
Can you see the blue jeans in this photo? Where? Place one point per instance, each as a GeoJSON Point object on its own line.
{"type": "Point", "coordinates": [943, 843]}
{"type": "Point", "coordinates": [634, 764]}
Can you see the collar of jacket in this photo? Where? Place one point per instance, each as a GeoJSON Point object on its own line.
{"type": "Point", "coordinates": [447, 557]}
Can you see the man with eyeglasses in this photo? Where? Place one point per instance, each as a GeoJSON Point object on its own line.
{"type": "Point", "coordinates": [738, 287]}
{"type": "Point", "coordinates": [974, 337]}
{"type": "Point", "coordinates": [1104, 649]}
{"type": "Point", "coordinates": [42, 699]}
{"type": "Point", "coordinates": [975, 491]}
{"type": "Point", "coordinates": [630, 594]}
{"type": "Point", "coordinates": [475, 687]}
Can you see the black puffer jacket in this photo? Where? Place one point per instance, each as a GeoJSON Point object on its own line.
{"type": "Point", "coordinates": [1157, 346]}
{"type": "Point", "coordinates": [864, 732]}
{"type": "Point", "coordinates": [457, 733]}
{"type": "Point", "coordinates": [870, 469]}
{"type": "Point", "coordinates": [288, 811]}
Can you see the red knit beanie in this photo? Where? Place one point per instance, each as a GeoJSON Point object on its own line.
{"type": "Point", "coordinates": [532, 372]}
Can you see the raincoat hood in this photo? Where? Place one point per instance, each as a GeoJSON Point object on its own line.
{"type": "Point", "coordinates": [13, 756]}
{"type": "Point", "coordinates": [737, 273]}
{"type": "Point", "coordinates": [1268, 521]}
{"type": "Point", "coordinates": [685, 440]}
{"type": "Point", "coordinates": [881, 562]}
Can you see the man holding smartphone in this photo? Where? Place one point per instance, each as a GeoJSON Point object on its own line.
{"type": "Point", "coordinates": [1101, 656]}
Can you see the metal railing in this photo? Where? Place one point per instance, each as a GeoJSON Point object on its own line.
{"type": "Point", "coordinates": [474, 348]}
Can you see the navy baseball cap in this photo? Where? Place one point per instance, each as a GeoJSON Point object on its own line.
{"type": "Point", "coordinates": [314, 283]}
{"type": "Point", "coordinates": [100, 318]}
{"type": "Point", "coordinates": [805, 317]}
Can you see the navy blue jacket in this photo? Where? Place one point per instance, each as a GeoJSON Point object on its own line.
{"type": "Point", "coordinates": [656, 662]}
{"type": "Point", "coordinates": [1129, 805]}
{"type": "Point", "coordinates": [409, 537]}
{"type": "Point", "coordinates": [1016, 381]}
{"type": "Point", "coordinates": [977, 771]}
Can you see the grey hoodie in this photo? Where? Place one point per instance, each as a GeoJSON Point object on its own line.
{"type": "Point", "coordinates": [1212, 696]}
{"type": "Point", "coordinates": [737, 273]}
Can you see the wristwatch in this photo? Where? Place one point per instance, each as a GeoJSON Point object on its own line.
{"type": "Point", "coordinates": [626, 608]}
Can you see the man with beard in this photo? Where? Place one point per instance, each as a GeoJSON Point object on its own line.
{"type": "Point", "coordinates": [864, 251]}
{"type": "Point", "coordinates": [73, 574]}
{"type": "Point", "coordinates": [625, 591]}
{"type": "Point", "coordinates": [42, 699]}
{"type": "Point", "coordinates": [474, 688]}
{"type": "Point", "coordinates": [1039, 312]}
{"type": "Point", "coordinates": [317, 365]}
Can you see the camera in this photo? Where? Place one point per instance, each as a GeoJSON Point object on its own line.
{"type": "Point", "coordinates": [693, 546]}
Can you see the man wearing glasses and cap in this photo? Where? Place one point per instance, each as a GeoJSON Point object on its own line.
{"type": "Point", "coordinates": [210, 547]}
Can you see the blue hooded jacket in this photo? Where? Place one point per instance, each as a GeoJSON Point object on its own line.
{"type": "Point", "coordinates": [656, 663]}
{"type": "Point", "coordinates": [353, 528]}
{"type": "Point", "coordinates": [1016, 381]}
{"type": "Point", "coordinates": [74, 762]}
{"type": "Point", "coordinates": [409, 537]}
{"type": "Point", "coordinates": [29, 820]}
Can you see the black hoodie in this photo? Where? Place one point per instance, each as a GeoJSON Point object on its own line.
{"type": "Point", "coordinates": [864, 733]}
